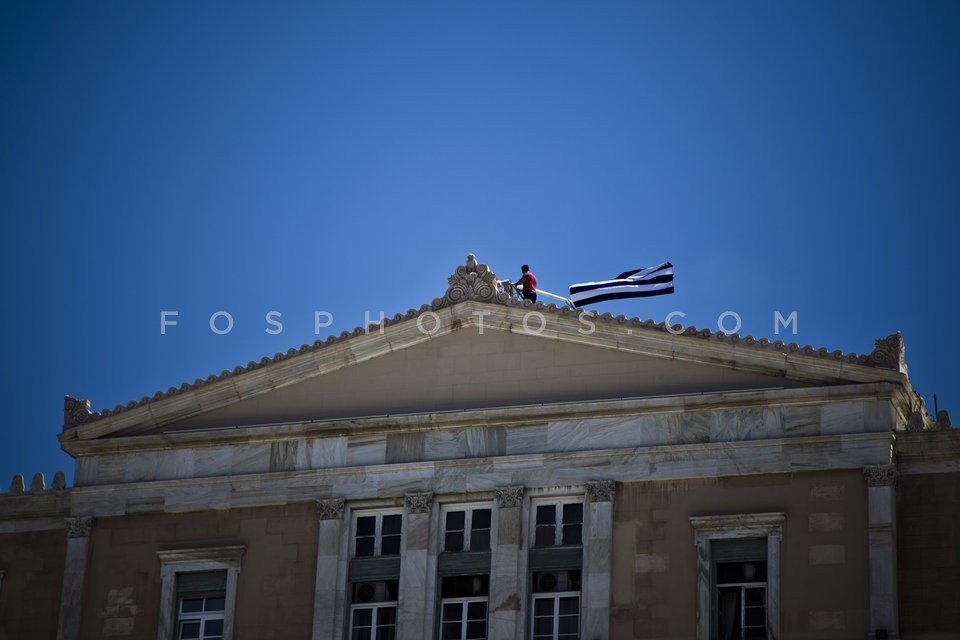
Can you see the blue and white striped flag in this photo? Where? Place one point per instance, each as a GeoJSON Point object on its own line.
{"type": "Point", "coordinates": [639, 283]}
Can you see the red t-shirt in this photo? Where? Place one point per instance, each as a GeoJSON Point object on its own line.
{"type": "Point", "coordinates": [528, 282]}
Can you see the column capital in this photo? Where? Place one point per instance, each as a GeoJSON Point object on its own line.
{"type": "Point", "coordinates": [880, 475]}
{"type": "Point", "coordinates": [331, 509]}
{"type": "Point", "coordinates": [79, 527]}
{"type": "Point", "coordinates": [509, 496]}
{"type": "Point", "coordinates": [601, 490]}
{"type": "Point", "coordinates": [418, 502]}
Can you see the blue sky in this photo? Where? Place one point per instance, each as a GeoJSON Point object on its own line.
{"type": "Point", "coordinates": [346, 156]}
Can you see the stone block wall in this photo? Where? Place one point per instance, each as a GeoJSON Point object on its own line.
{"type": "Point", "coordinates": [275, 586]}
{"type": "Point", "coordinates": [32, 563]}
{"type": "Point", "coordinates": [928, 539]}
{"type": "Point", "coordinates": [824, 590]}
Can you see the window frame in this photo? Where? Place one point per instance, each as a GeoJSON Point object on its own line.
{"type": "Point", "coordinates": [559, 501]}
{"type": "Point", "coordinates": [375, 607]}
{"type": "Point", "coordinates": [555, 596]}
{"type": "Point", "coordinates": [378, 531]}
{"type": "Point", "coordinates": [464, 620]}
{"type": "Point", "coordinates": [767, 525]}
{"type": "Point", "coordinates": [201, 617]}
{"type": "Point", "coordinates": [466, 601]}
{"type": "Point", "coordinates": [468, 509]}
{"type": "Point", "coordinates": [200, 559]}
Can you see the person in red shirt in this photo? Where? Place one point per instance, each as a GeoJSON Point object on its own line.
{"type": "Point", "coordinates": [528, 284]}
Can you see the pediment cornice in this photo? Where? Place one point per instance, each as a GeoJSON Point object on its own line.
{"type": "Point", "coordinates": [473, 299]}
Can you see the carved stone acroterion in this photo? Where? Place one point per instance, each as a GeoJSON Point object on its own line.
{"type": "Point", "coordinates": [472, 281]}
{"type": "Point", "coordinates": [888, 352]}
{"type": "Point", "coordinates": [75, 412]}
{"type": "Point", "coordinates": [943, 420]}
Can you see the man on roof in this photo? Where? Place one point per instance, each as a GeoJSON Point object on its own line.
{"type": "Point", "coordinates": [528, 284]}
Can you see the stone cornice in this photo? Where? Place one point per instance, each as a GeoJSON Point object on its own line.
{"type": "Point", "coordinates": [747, 524]}
{"type": "Point", "coordinates": [507, 416]}
{"type": "Point", "coordinates": [928, 446]}
{"type": "Point", "coordinates": [470, 290]}
{"type": "Point", "coordinates": [228, 555]}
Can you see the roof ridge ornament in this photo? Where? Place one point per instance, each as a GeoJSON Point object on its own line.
{"type": "Point", "coordinates": [472, 281]}
{"type": "Point", "coordinates": [75, 412]}
{"type": "Point", "coordinates": [889, 352]}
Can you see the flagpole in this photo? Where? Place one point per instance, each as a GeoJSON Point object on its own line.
{"type": "Point", "coordinates": [511, 288]}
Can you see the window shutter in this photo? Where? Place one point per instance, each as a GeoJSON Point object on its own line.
{"type": "Point", "coordinates": [200, 583]}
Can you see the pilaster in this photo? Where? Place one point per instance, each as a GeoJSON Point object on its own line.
{"type": "Point", "coordinates": [882, 534]}
{"type": "Point", "coordinates": [597, 552]}
{"type": "Point", "coordinates": [74, 572]}
{"type": "Point", "coordinates": [505, 622]}
{"type": "Point", "coordinates": [329, 597]}
{"type": "Point", "coordinates": [415, 615]}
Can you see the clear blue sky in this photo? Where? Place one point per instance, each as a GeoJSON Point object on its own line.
{"type": "Point", "coordinates": [346, 156]}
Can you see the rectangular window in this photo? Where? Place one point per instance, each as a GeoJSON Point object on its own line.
{"type": "Point", "coordinates": [200, 604]}
{"type": "Point", "coordinates": [377, 534]}
{"type": "Point", "coordinates": [373, 614]}
{"type": "Point", "coordinates": [463, 608]}
{"type": "Point", "coordinates": [558, 523]}
{"type": "Point", "coordinates": [738, 596]}
{"type": "Point", "coordinates": [466, 529]}
{"type": "Point", "coordinates": [198, 590]}
{"type": "Point", "coordinates": [741, 600]}
{"type": "Point", "coordinates": [556, 605]}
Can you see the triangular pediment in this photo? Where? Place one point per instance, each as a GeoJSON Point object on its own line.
{"type": "Point", "coordinates": [467, 370]}
{"type": "Point", "coordinates": [475, 349]}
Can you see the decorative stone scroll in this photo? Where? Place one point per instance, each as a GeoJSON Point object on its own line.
{"type": "Point", "coordinates": [79, 527]}
{"type": "Point", "coordinates": [16, 485]}
{"type": "Point", "coordinates": [418, 502]}
{"type": "Point", "coordinates": [889, 353]}
{"type": "Point", "coordinates": [38, 484]}
{"type": "Point", "coordinates": [75, 412]}
{"type": "Point", "coordinates": [59, 481]}
{"type": "Point", "coordinates": [472, 281]}
{"type": "Point", "coordinates": [601, 490]}
{"type": "Point", "coordinates": [915, 422]}
{"type": "Point", "coordinates": [880, 475]}
{"type": "Point", "coordinates": [943, 421]}
{"type": "Point", "coordinates": [330, 509]}
{"type": "Point", "coordinates": [510, 496]}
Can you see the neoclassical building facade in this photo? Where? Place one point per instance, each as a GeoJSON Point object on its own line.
{"type": "Point", "coordinates": [489, 468]}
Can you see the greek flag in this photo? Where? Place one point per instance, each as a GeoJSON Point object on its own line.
{"type": "Point", "coordinates": [639, 283]}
